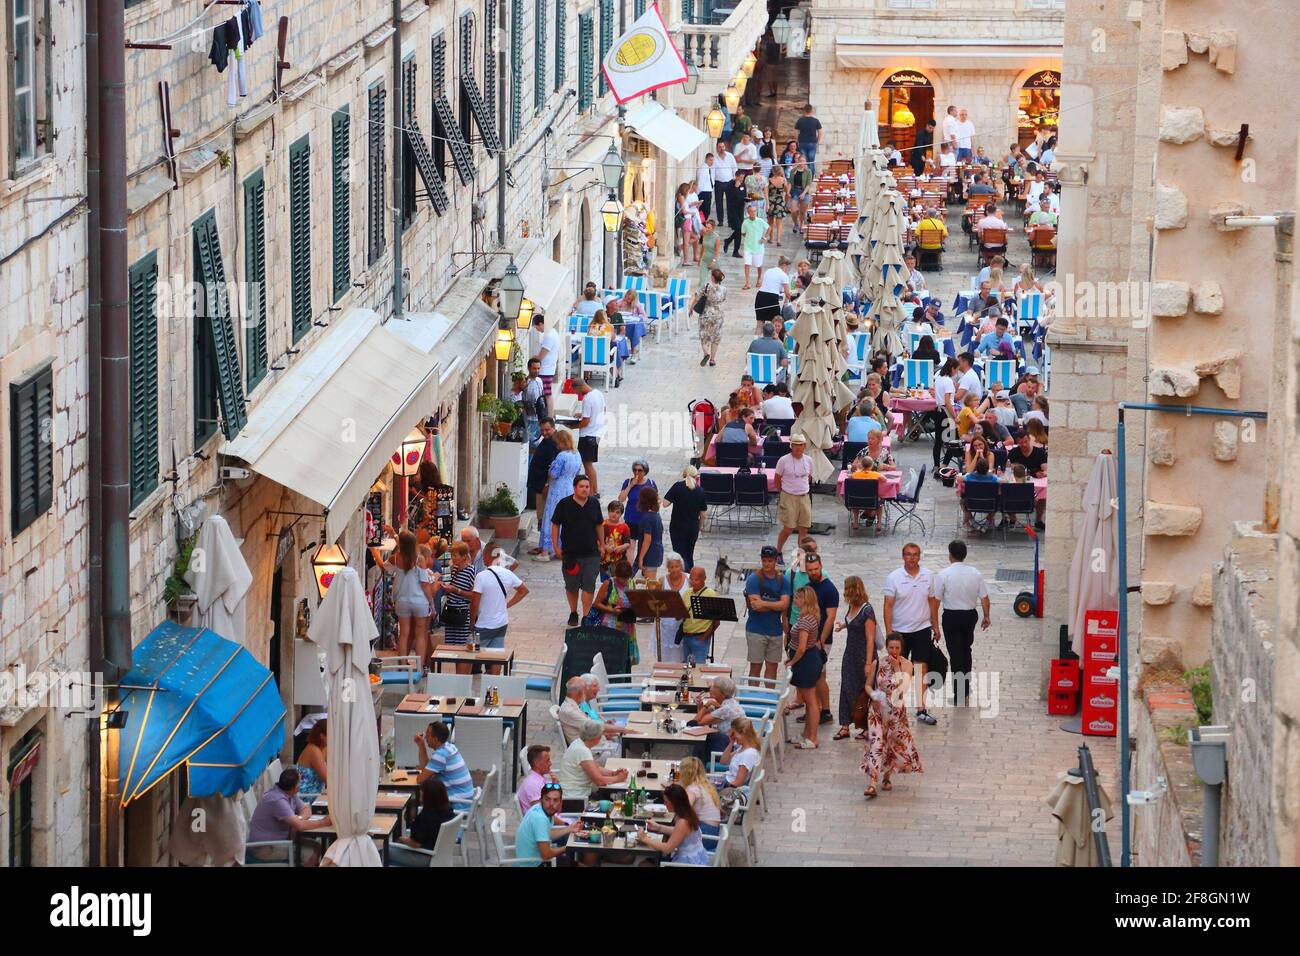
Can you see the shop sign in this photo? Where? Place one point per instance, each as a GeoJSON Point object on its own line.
{"type": "Point", "coordinates": [906, 78]}
{"type": "Point", "coordinates": [22, 768]}
{"type": "Point", "coordinates": [1044, 80]}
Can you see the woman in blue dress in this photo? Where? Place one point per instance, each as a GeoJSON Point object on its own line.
{"type": "Point", "coordinates": [313, 762]}
{"type": "Point", "coordinates": [566, 466]}
{"type": "Point", "coordinates": [682, 842]}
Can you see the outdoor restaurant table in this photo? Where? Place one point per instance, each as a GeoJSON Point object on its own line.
{"type": "Point", "coordinates": [661, 768]}
{"type": "Point", "coordinates": [699, 677]}
{"type": "Point", "coordinates": [581, 843]}
{"type": "Point", "coordinates": [1040, 486]}
{"type": "Point", "coordinates": [456, 654]}
{"type": "Point", "coordinates": [386, 801]}
{"type": "Point", "coordinates": [400, 780]}
{"type": "Point", "coordinates": [770, 473]}
{"type": "Point", "coordinates": [650, 737]}
{"type": "Point", "coordinates": [384, 826]}
{"type": "Point", "coordinates": [651, 699]}
{"type": "Point", "coordinates": [514, 711]}
{"type": "Point", "coordinates": [889, 485]}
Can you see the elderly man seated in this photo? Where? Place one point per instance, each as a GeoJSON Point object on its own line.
{"type": "Point", "coordinates": [716, 709]}
{"type": "Point", "coordinates": [579, 706]}
{"type": "Point", "coordinates": [579, 772]}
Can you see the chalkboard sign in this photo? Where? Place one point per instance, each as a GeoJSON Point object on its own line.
{"type": "Point", "coordinates": [585, 643]}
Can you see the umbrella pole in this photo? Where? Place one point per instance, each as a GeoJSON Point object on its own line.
{"type": "Point", "coordinates": [659, 647]}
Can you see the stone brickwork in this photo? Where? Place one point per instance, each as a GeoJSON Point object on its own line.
{"type": "Point", "coordinates": [1166, 832]}
{"type": "Point", "coordinates": [43, 577]}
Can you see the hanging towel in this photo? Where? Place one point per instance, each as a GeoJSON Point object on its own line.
{"type": "Point", "coordinates": [219, 53]}
{"type": "Point", "coordinates": [254, 11]}
{"type": "Point", "coordinates": [237, 83]}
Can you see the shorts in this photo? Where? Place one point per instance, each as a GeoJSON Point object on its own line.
{"type": "Point", "coordinates": [492, 638]}
{"type": "Point", "coordinates": [917, 645]}
{"type": "Point", "coordinates": [588, 448]}
{"type": "Point", "coordinates": [546, 384]}
{"type": "Point", "coordinates": [580, 573]}
{"type": "Point", "coordinates": [406, 608]}
{"type": "Point", "coordinates": [754, 258]}
{"type": "Point", "coordinates": [763, 648]}
{"type": "Point", "coordinates": [794, 511]}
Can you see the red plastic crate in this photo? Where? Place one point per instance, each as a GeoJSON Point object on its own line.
{"type": "Point", "coordinates": [1065, 674]}
{"type": "Point", "coordinates": [1100, 700]}
{"type": "Point", "coordinates": [1064, 702]}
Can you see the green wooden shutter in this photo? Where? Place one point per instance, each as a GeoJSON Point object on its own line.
{"type": "Point", "coordinates": [143, 309]}
{"type": "Point", "coordinates": [606, 40]}
{"type": "Point", "coordinates": [212, 273]}
{"type": "Point", "coordinates": [31, 426]}
{"type": "Point", "coordinates": [255, 357]}
{"type": "Point", "coordinates": [341, 130]}
{"type": "Point", "coordinates": [539, 55]}
{"type": "Point", "coordinates": [516, 68]}
{"type": "Point", "coordinates": [585, 52]}
{"type": "Point", "coordinates": [688, 11]}
{"type": "Point", "coordinates": [561, 40]}
{"type": "Point", "coordinates": [378, 173]}
{"type": "Point", "coordinates": [639, 7]}
{"type": "Point", "coordinates": [490, 60]}
{"type": "Point", "coordinates": [300, 236]}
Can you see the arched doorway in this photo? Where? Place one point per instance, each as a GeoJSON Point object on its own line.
{"type": "Point", "coordinates": [905, 103]}
{"type": "Point", "coordinates": [1038, 104]}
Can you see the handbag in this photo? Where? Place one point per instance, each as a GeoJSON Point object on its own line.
{"type": "Point", "coordinates": [454, 616]}
{"type": "Point", "coordinates": [700, 301]}
{"type": "Point", "coordinates": [861, 708]}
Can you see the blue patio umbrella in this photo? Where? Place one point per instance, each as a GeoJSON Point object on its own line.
{"type": "Point", "coordinates": [197, 699]}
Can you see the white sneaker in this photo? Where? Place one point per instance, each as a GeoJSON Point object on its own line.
{"type": "Point", "coordinates": [544, 556]}
{"type": "Point", "coordinates": [806, 744]}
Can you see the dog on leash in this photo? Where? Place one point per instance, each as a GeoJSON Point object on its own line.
{"type": "Point", "coordinates": [723, 572]}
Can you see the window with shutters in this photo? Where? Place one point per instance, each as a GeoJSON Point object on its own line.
{"type": "Point", "coordinates": [300, 237]}
{"type": "Point", "coordinates": [143, 311]}
{"type": "Point", "coordinates": [561, 39]}
{"type": "Point", "coordinates": [216, 359]}
{"type": "Point", "coordinates": [638, 9]}
{"type": "Point", "coordinates": [255, 357]}
{"type": "Point", "coordinates": [466, 70]}
{"type": "Point", "coordinates": [28, 73]}
{"type": "Point", "coordinates": [377, 172]}
{"type": "Point", "coordinates": [341, 197]}
{"type": "Point", "coordinates": [516, 69]}
{"type": "Point", "coordinates": [490, 23]}
{"type": "Point", "coordinates": [31, 443]}
{"type": "Point", "coordinates": [585, 54]}
{"type": "Point", "coordinates": [408, 154]}
{"type": "Point", "coordinates": [606, 40]}
{"type": "Point", "coordinates": [539, 55]}
{"type": "Point", "coordinates": [446, 133]}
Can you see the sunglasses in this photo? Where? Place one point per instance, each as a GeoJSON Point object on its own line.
{"type": "Point", "coordinates": [550, 786]}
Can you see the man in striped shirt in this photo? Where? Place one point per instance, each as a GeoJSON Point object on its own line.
{"type": "Point", "coordinates": [441, 759]}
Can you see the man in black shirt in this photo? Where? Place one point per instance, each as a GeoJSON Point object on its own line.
{"type": "Point", "coordinates": [924, 140]}
{"type": "Point", "coordinates": [578, 539]}
{"type": "Point", "coordinates": [735, 214]}
{"type": "Point", "coordinates": [539, 464]}
{"type": "Point", "coordinates": [810, 135]}
{"type": "Point", "coordinates": [1034, 459]}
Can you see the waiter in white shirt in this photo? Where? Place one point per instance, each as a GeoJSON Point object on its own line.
{"type": "Point", "coordinates": [724, 182]}
{"type": "Point", "coordinates": [950, 129]}
{"type": "Point", "coordinates": [958, 588]}
{"type": "Point", "coordinates": [910, 613]}
{"type": "Point", "coordinates": [704, 184]}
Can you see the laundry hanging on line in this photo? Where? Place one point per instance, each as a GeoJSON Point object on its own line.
{"type": "Point", "coordinates": [234, 37]}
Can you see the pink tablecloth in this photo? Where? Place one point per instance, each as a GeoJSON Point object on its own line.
{"type": "Point", "coordinates": [1040, 487]}
{"type": "Point", "coordinates": [889, 487]}
{"type": "Point", "coordinates": [902, 404]}
{"type": "Point", "coordinates": [710, 455]}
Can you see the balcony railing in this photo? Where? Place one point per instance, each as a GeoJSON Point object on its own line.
{"type": "Point", "coordinates": [717, 35]}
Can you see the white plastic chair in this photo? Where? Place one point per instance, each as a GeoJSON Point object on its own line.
{"type": "Point", "coordinates": [482, 742]}
{"type": "Point", "coordinates": [554, 711]}
{"type": "Point", "coordinates": [508, 686]}
{"type": "Point", "coordinates": [449, 685]}
{"type": "Point", "coordinates": [288, 847]}
{"type": "Point", "coordinates": [406, 752]}
{"type": "Point", "coordinates": [443, 853]}
{"type": "Point", "coordinates": [506, 852]}
{"type": "Point", "coordinates": [717, 856]}
{"type": "Point", "coordinates": [543, 676]}
{"type": "Point", "coordinates": [474, 819]}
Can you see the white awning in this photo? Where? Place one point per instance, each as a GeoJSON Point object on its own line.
{"type": "Point", "coordinates": [457, 335]}
{"type": "Point", "coordinates": [666, 129]}
{"type": "Point", "coordinates": [548, 284]}
{"type": "Point", "coordinates": [329, 424]}
{"type": "Point", "coordinates": [856, 52]}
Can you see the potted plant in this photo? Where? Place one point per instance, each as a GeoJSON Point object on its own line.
{"type": "Point", "coordinates": [499, 512]}
{"type": "Point", "coordinates": [504, 416]}
{"type": "Point", "coordinates": [177, 593]}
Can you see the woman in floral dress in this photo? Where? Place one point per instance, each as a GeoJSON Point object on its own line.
{"type": "Point", "coordinates": [776, 202]}
{"type": "Point", "coordinates": [715, 293]}
{"type": "Point", "coordinates": [612, 608]}
{"type": "Point", "coordinates": [890, 747]}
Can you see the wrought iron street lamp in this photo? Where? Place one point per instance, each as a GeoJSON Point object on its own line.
{"type": "Point", "coordinates": [327, 561]}
{"type": "Point", "coordinates": [406, 460]}
{"type": "Point", "coordinates": [611, 213]}
{"type": "Point", "coordinates": [716, 121]}
{"type": "Point", "coordinates": [611, 167]}
{"type": "Point", "coordinates": [511, 293]}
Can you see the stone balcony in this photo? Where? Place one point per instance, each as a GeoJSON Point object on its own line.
{"type": "Point", "coordinates": [717, 36]}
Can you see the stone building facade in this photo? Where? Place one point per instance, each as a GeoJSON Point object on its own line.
{"type": "Point", "coordinates": [43, 449]}
{"type": "Point", "coordinates": [974, 54]}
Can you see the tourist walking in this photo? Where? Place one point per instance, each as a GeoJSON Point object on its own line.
{"type": "Point", "coordinates": [413, 592]}
{"type": "Point", "coordinates": [810, 135]}
{"type": "Point", "coordinates": [714, 294]}
{"type": "Point", "coordinates": [777, 208]}
{"type": "Point", "coordinates": [704, 185]}
{"type": "Point", "coordinates": [806, 660]}
{"type": "Point", "coordinates": [650, 534]}
{"type": "Point", "coordinates": [890, 747]}
{"type": "Point", "coordinates": [800, 181]}
{"type": "Point", "coordinates": [735, 213]}
{"type": "Point", "coordinates": [773, 286]}
{"type": "Point", "coordinates": [577, 538]}
{"type": "Point", "coordinates": [794, 488]}
{"type": "Point", "coordinates": [910, 615]}
{"type": "Point", "coordinates": [754, 233]}
{"type": "Point", "coordinates": [565, 466]}
{"type": "Point", "coordinates": [710, 250]}
{"type": "Point", "coordinates": [458, 585]}
{"type": "Point", "coordinates": [612, 608]}
{"type": "Point", "coordinates": [630, 495]}
{"type": "Point", "coordinates": [687, 509]}
{"type": "Point", "coordinates": [860, 651]}
{"type": "Point", "coordinates": [958, 588]}
{"type": "Point", "coordinates": [767, 594]}
{"type": "Point", "coordinates": [591, 428]}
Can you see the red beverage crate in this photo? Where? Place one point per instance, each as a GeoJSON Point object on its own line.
{"type": "Point", "coordinates": [1065, 675]}
{"type": "Point", "coordinates": [1100, 641]}
{"type": "Point", "coordinates": [1064, 702]}
{"type": "Point", "coordinates": [1100, 705]}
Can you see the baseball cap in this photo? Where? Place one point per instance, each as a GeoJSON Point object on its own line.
{"type": "Point", "coordinates": [769, 551]}
{"type": "Point", "coordinates": [1002, 396]}
{"type": "Point", "coordinates": [1031, 370]}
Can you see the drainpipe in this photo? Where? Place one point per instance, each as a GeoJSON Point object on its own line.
{"type": "Point", "coordinates": [501, 120]}
{"type": "Point", "coordinates": [95, 558]}
{"type": "Point", "coordinates": [1121, 468]}
{"type": "Point", "coordinates": [399, 124]}
{"type": "Point", "coordinates": [1210, 759]}
{"type": "Point", "coordinates": [114, 386]}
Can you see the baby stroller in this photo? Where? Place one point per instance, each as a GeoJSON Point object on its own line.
{"type": "Point", "coordinates": [704, 416]}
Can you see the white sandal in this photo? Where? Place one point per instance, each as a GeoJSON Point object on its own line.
{"type": "Point", "coordinates": [807, 744]}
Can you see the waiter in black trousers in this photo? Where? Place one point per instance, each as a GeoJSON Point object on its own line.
{"type": "Point", "coordinates": [735, 196]}
{"type": "Point", "coordinates": [958, 588]}
{"type": "Point", "coordinates": [924, 141]}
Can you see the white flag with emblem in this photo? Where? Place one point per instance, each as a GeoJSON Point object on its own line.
{"type": "Point", "coordinates": [643, 58]}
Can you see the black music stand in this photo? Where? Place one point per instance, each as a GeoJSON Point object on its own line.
{"type": "Point", "coordinates": [657, 603]}
{"type": "Point", "coordinates": [715, 609]}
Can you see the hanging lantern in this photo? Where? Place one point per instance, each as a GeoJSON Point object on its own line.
{"type": "Point", "coordinates": [692, 78]}
{"type": "Point", "coordinates": [731, 96]}
{"type": "Point", "coordinates": [903, 117]}
{"type": "Point", "coordinates": [511, 292]}
{"type": "Point", "coordinates": [611, 167]}
{"type": "Point", "coordinates": [327, 561]}
{"type": "Point", "coordinates": [741, 81]}
{"type": "Point", "coordinates": [716, 122]}
{"type": "Point", "coordinates": [611, 213]}
{"type": "Point", "coordinates": [747, 67]}
{"type": "Point", "coordinates": [526, 313]}
{"type": "Point", "coordinates": [781, 29]}
{"type": "Point", "coordinates": [505, 342]}
{"type": "Point", "coordinates": [409, 454]}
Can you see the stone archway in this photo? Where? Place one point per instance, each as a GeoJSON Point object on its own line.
{"type": "Point", "coordinates": [937, 93]}
{"type": "Point", "coordinates": [1013, 97]}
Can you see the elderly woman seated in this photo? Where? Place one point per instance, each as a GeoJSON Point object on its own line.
{"type": "Point", "coordinates": [579, 773]}
{"type": "Point", "coordinates": [716, 709]}
{"type": "Point", "coordinates": [579, 706]}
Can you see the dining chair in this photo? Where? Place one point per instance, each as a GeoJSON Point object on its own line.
{"type": "Point", "coordinates": [406, 753]}
{"type": "Point", "coordinates": [542, 677]}
{"type": "Point", "coordinates": [443, 853]}
{"type": "Point", "coordinates": [449, 685]}
{"type": "Point", "coordinates": [281, 853]}
{"type": "Point", "coordinates": [482, 742]}
{"type": "Point", "coordinates": [599, 358]}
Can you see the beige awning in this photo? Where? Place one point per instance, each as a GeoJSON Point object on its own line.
{"type": "Point", "coordinates": [667, 130]}
{"type": "Point", "coordinates": [856, 52]}
{"type": "Point", "coordinates": [548, 284]}
{"type": "Point", "coordinates": [327, 427]}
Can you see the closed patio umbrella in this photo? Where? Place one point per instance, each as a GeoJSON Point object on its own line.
{"type": "Point", "coordinates": [343, 628]}
{"type": "Point", "coordinates": [1075, 845]}
{"type": "Point", "coordinates": [220, 578]}
{"type": "Point", "coordinates": [1094, 573]}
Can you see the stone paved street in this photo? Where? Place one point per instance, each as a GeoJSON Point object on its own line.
{"type": "Point", "coordinates": [980, 799]}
